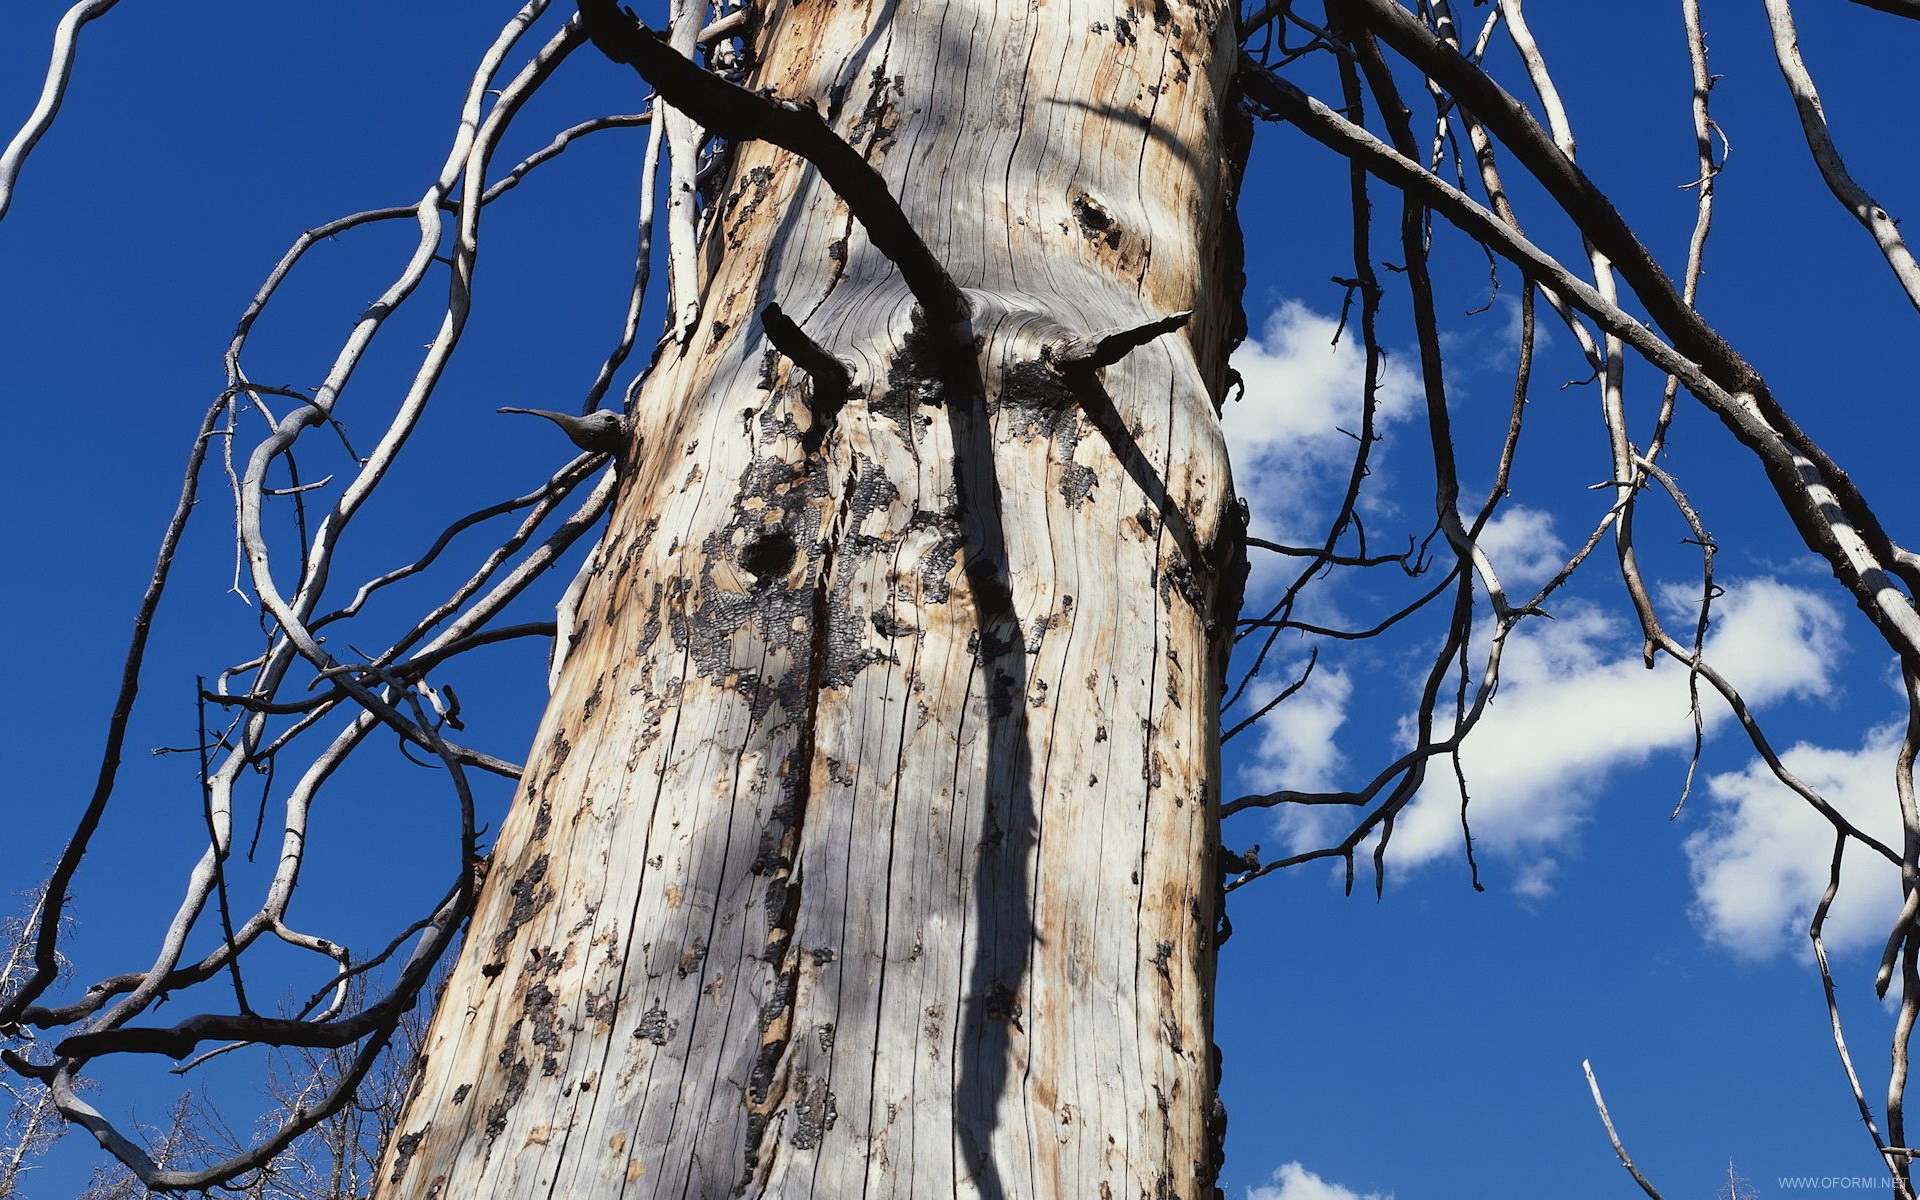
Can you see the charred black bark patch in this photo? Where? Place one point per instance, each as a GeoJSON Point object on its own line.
{"type": "Point", "coordinates": [1077, 483]}
{"type": "Point", "coordinates": [740, 206]}
{"type": "Point", "coordinates": [655, 1026]}
{"type": "Point", "coordinates": [403, 1149]}
{"type": "Point", "coordinates": [1178, 578]}
{"type": "Point", "coordinates": [937, 564]}
{"type": "Point", "coordinates": [518, 1073]}
{"type": "Point", "coordinates": [1225, 561]}
{"type": "Point", "coordinates": [1051, 409]}
{"type": "Point", "coordinates": [913, 381]}
{"type": "Point", "coordinates": [842, 625]}
{"type": "Point", "coordinates": [544, 1019]}
{"type": "Point", "coordinates": [777, 510]}
{"type": "Point", "coordinates": [875, 126]}
{"type": "Point", "coordinates": [766, 1064]}
{"type": "Point", "coordinates": [530, 893]}
{"type": "Point", "coordinates": [814, 1111]}
{"type": "Point", "coordinates": [1036, 386]}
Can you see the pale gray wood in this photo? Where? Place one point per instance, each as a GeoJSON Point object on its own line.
{"type": "Point", "coordinates": [858, 874]}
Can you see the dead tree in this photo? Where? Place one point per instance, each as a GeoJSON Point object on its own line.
{"type": "Point", "coordinates": [870, 841]}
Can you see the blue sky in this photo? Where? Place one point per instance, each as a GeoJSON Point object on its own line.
{"type": "Point", "coordinates": [1427, 1044]}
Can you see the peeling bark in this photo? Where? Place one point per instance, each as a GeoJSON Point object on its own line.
{"type": "Point", "coordinates": [867, 847]}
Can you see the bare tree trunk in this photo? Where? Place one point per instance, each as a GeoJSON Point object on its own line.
{"type": "Point", "coordinates": [868, 844]}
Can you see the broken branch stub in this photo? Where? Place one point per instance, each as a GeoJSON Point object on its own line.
{"type": "Point", "coordinates": [602, 431]}
{"type": "Point", "coordinates": [832, 381]}
{"type": "Point", "coordinates": [1077, 358]}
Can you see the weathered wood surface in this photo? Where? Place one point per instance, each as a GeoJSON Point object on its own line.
{"type": "Point", "coordinates": [867, 847]}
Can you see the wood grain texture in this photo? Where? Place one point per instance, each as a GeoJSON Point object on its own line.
{"type": "Point", "coordinates": [867, 848]}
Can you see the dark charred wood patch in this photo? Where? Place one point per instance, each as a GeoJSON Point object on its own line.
{"type": "Point", "coordinates": [530, 894]}
{"type": "Point", "coordinates": [405, 1145]}
{"type": "Point", "coordinates": [656, 1027]}
{"type": "Point", "coordinates": [937, 563]}
{"type": "Point", "coordinates": [775, 1010]}
{"type": "Point", "coordinates": [1035, 388]}
{"type": "Point", "coordinates": [1077, 483]}
{"type": "Point", "coordinates": [756, 1129]}
{"type": "Point", "coordinates": [544, 1020]}
{"type": "Point", "coordinates": [766, 1065]}
{"type": "Point", "coordinates": [914, 380]}
{"type": "Point", "coordinates": [815, 1109]}
{"type": "Point", "coordinates": [518, 1072]}
{"type": "Point", "coordinates": [889, 626]}
{"type": "Point", "coordinates": [876, 124]}
{"type": "Point", "coordinates": [770, 856]}
{"type": "Point", "coordinates": [739, 208]}
{"type": "Point", "coordinates": [558, 757]}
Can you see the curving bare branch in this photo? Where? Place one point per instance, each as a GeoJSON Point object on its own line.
{"type": "Point", "coordinates": [66, 42]}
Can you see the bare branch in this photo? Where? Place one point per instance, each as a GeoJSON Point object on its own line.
{"type": "Point", "coordinates": [1813, 123]}
{"type": "Point", "coordinates": [66, 38]}
{"type": "Point", "coordinates": [734, 113]}
{"type": "Point", "coordinates": [1600, 1105]}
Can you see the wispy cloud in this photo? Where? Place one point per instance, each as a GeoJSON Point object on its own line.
{"type": "Point", "coordinates": [1291, 457]}
{"type": "Point", "coordinates": [1297, 748]}
{"type": "Point", "coordinates": [1295, 1182]}
{"type": "Point", "coordinates": [1760, 863]}
{"type": "Point", "coordinates": [1523, 547]}
{"type": "Point", "coordinates": [1575, 705]}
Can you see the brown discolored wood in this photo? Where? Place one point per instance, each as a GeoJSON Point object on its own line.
{"type": "Point", "coordinates": [867, 846]}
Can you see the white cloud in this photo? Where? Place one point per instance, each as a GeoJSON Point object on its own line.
{"type": "Point", "coordinates": [1575, 703]}
{"type": "Point", "coordinates": [1490, 341]}
{"type": "Point", "coordinates": [1295, 1182]}
{"type": "Point", "coordinates": [1290, 458]}
{"type": "Point", "coordinates": [1297, 748]}
{"type": "Point", "coordinates": [1524, 550]}
{"type": "Point", "coordinates": [1535, 880]}
{"type": "Point", "coordinates": [1760, 864]}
